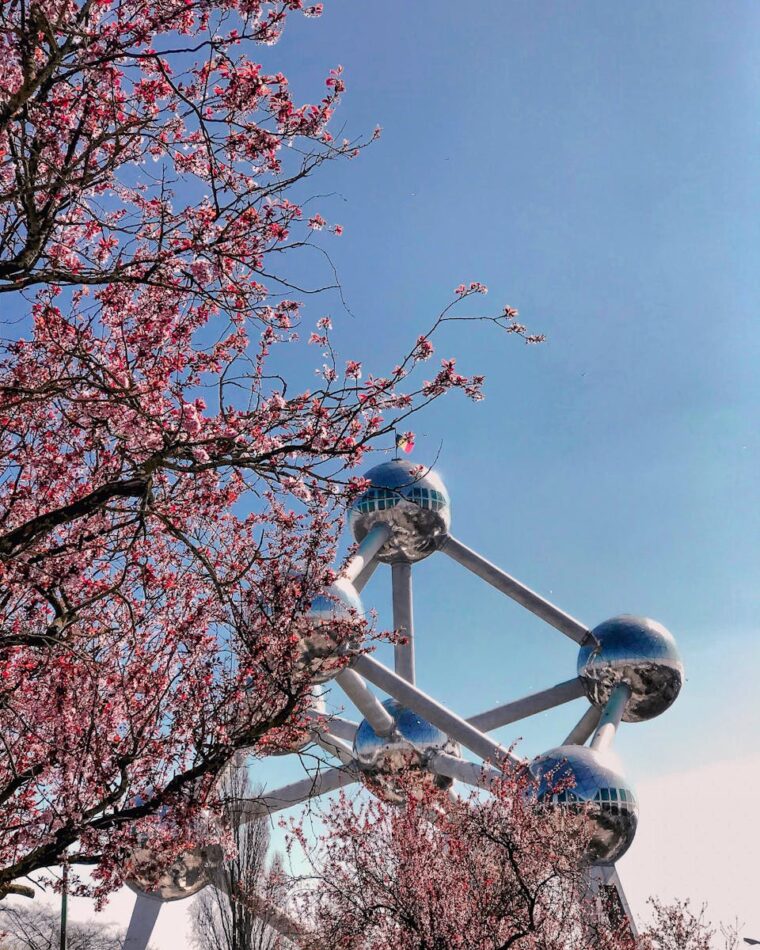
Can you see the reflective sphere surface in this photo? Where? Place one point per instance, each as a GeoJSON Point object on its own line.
{"type": "Point", "coordinates": [318, 642]}
{"type": "Point", "coordinates": [189, 874]}
{"type": "Point", "coordinates": [584, 777]}
{"type": "Point", "coordinates": [407, 748]}
{"type": "Point", "coordinates": [417, 508]}
{"type": "Point", "coordinates": [636, 651]}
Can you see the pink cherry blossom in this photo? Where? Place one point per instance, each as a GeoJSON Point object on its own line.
{"type": "Point", "coordinates": [170, 499]}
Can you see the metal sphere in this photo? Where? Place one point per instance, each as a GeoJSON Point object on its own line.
{"type": "Point", "coordinates": [636, 651]}
{"type": "Point", "coordinates": [190, 873]}
{"type": "Point", "coordinates": [590, 781]}
{"type": "Point", "coordinates": [417, 508]}
{"type": "Point", "coordinates": [408, 748]}
{"type": "Point", "coordinates": [317, 643]}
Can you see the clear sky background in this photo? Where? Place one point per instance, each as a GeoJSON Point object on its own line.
{"type": "Point", "coordinates": [595, 165]}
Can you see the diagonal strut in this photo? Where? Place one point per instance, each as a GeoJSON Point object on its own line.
{"type": "Point", "coordinates": [528, 706]}
{"type": "Point", "coordinates": [454, 726]}
{"type": "Point", "coordinates": [513, 588]}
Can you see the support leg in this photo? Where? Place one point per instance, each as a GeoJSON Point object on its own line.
{"type": "Point", "coordinates": [470, 773]}
{"type": "Point", "coordinates": [363, 577]}
{"type": "Point", "coordinates": [334, 746]}
{"type": "Point", "coordinates": [141, 924]}
{"type": "Point", "coordinates": [277, 919]}
{"type": "Point", "coordinates": [403, 619]}
{"type": "Point", "coordinates": [611, 717]}
{"type": "Point", "coordinates": [606, 888]}
{"type": "Point", "coordinates": [365, 701]}
{"type": "Point", "coordinates": [273, 916]}
{"type": "Point", "coordinates": [342, 728]}
{"type": "Point", "coordinates": [367, 551]}
{"type": "Point", "coordinates": [584, 727]}
{"type": "Point", "coordinates": [323, 782]}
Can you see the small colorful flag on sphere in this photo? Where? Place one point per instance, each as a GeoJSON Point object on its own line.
{"type": "Point", "coordinates": [405, 441]}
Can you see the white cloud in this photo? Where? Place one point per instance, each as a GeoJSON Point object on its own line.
{"type": "Point", "coordinates": [699, 837]}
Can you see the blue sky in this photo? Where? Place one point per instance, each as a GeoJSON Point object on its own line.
{"type": "Point", "coordinates": [595, 165]}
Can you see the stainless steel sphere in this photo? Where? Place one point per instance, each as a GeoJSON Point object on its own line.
{"type": "Point", "coordinates": [417, 508]}
{"type": "Point", "coordinates": [585, 777]}
{"type": "Point", "coordinates": [320, 652]}
{"type": "Point", "coordinates": [189, 874]}
{"type": "Point", "coordinates": [408, 748]}
{"type": "Point", "coordinates": [636, 651]}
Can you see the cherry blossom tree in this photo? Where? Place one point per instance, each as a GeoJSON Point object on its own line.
{"type": "Point", "coordinates": [477, 872]}
{"type": "Point", "coordinates": [482, 872]}
{"type": "Point", "coordinates": [676, 926]}
{"type": "Point", "coordinates": [170, 493]}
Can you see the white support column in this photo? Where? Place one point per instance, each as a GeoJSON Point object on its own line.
{"type": "Point", "coordinates": [334, 746]}
{"type": "Point", "coordinates": [269, 913]}
{"type": "Point", "coordinates": [607, 890]}
{"type": "Point", "coordinates": [528, 706]}
{"type": "Point", "coordinates": [275, 918]}
{"type": "Point", "coordinates": [362, 578]}
{"type": "Point", "coordinates": [141, 923]}
{"type": "Point", "coordinates": [367, 551]}
{"type": "Point", "coordinates": [470, 773]}
{"type": "Point", "coordinates": [342, 728]}
{"type": "Point", "coordinates": [611, 717]}
{"type": "Point", "coordinates": [584, 727]}
{"type": "Point", "coordinates": [403, 618]}
{"type": "Point", "coordinates": [327, 780]}
{"type": "Point", "coordinates": [454, 726]}
{"type": "Point", "coordinates": [513, 588]}
{"type": "Point", "coordinates": [365, 701]}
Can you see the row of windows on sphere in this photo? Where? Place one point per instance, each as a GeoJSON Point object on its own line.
{"type": "Point", "coordinates": [613, 800]}
{"type": "Point", "coordinates": [381, 499]}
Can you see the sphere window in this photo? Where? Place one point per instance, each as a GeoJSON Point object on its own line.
{"type": "Point", "coordinates": [427, 498]}
{"type": "Point", "coordinates": [378, 499]}
{"type": "Point", "coordinates": [381, 499]}
{"type": "Point", "coordinates": [612, 800]}
{"type": "Point", "coordinates": [565, 797]}
{"type": "Point", "coordinates": [414, 506]}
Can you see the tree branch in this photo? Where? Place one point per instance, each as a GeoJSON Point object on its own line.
{"type": "Point", "coordinates": [27, 533]}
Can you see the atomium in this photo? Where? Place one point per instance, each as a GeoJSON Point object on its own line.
{"type": "Point", "coordinates": [638, 652]}
{"type": "Point", "coordinates": [572, 776]}
{"type": "Point", "coordinates": [415, 506]}
{"type": "Point", "coordinates": [407, 749]}
{"type": "Point", "coordinates": [628, 670]}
